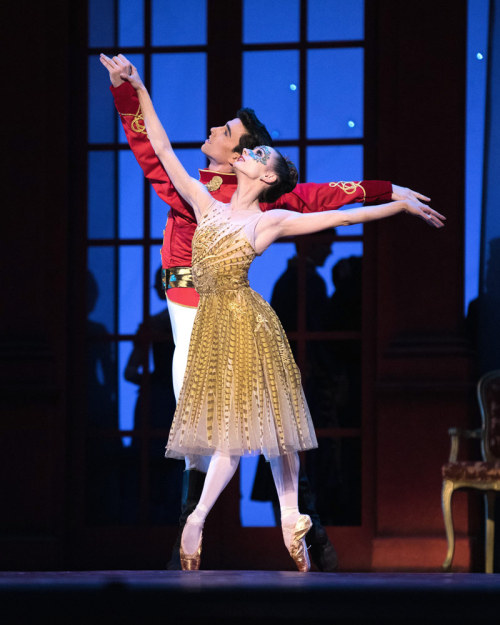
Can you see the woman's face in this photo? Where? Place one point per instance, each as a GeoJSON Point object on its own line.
{"type": "Point", "coordinates": [255, 162]}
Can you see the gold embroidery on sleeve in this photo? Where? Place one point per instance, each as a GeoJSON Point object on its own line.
{"type": "Point", "coordinates": [349, 188]}
{"type": "Point", "coordinates": [138, 125]}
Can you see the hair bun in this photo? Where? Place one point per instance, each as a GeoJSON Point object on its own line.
{"type": "Point", "coordinates": [293, 174]}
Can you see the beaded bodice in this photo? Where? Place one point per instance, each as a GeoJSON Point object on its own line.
{"type": "Point", "coordinates": [222, 252]}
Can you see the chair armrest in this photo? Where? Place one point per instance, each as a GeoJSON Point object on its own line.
{"type": "Point", "coordinates": [456, 434]}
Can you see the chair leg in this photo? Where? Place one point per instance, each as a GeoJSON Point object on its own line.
{"type": "Point", "coordinates": [446, 494]}
{"type": "Point", "coordinates": [489, 504]}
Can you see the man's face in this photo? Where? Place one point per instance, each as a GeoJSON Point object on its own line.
{"type": "Point", "coordinates": [219, 145]}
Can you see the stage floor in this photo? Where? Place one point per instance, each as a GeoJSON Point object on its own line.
{"type": "Point", "coordinates": [141, 597]}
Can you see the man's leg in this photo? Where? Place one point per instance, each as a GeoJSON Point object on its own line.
{"type": "Point", "coordinates": [182, 320]}
{"type": "Point", "coordinates": [322, 551]}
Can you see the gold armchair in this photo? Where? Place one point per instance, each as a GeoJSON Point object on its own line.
{"type": "Point", "coordinates": [483, 475]}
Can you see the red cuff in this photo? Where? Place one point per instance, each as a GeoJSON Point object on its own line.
{"type": "Point", "coordinates": [126, 100]}
{"type": "Point", "coordinates": [377, 191]}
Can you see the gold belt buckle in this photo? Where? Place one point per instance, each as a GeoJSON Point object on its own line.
{"type": "Point", "coordinates": [177, 277]}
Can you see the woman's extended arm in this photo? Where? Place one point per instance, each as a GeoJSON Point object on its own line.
{"type": "Point", "coordinates": [191, 190]}
{"type": "Point", "coordinates": [276, 224]}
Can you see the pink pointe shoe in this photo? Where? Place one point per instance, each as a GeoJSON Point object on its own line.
{"type": "Point", "coordinates": [298, 547]}
{"type": "Point", "coordinates": [191, 562]}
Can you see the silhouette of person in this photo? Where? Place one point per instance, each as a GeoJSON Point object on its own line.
{"type": "Point", "coordinates": [155, 407]}
{"type": "Point", "coordinates": [285, 297]}
{"type": "Point", "coordinates": [101, 361]}
{"type": "Point", "coordinates": [344, 314]}
{"type": "Point", "coordinates": [103, 454]}
{"type": "Point", "coordinates": [483, 315]}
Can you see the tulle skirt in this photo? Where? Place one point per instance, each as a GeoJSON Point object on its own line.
{"type": "Point", "coordinates": [242, 391]}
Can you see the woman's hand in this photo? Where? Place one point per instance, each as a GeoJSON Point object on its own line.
{"type": "Point", "coordinates": [432, 217]}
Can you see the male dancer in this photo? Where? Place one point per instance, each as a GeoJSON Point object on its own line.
{"type": "Point", "coordinates": [222, 148]}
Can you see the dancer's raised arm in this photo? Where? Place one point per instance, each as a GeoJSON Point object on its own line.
{"type": "Point", "coordinates": [281, 223]}
{"type": "Point", "coordinates": [191, 189]}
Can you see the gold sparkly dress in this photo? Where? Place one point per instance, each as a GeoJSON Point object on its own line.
{"type": "Point", "coordinates": [241, 392]}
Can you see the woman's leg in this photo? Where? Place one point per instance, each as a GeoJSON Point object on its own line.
{"type": "Point", "coordinates": [221, 470]}
{"type": "Point", "coordinates": [285, 471]}
{"type": "Point", "coordinates": [293, 524]}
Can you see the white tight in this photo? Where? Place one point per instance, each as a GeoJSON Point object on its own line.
{"type": "Point", "coordinates": [222, 467]}
{"type": "Point", "coordinates": [182, 320]}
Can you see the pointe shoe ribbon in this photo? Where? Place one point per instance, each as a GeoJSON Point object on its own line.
{"type": "Point", "coordinates": [298, 548]}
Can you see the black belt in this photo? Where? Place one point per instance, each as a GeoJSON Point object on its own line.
{"type": "Point", "coordinates": [177, 277]}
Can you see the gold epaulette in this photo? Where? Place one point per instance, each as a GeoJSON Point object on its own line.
{"type": "Point", "coordinates": [214, 184]}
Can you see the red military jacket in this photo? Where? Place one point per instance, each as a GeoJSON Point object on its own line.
{"type": "Point", "coordinates": [181, 224]}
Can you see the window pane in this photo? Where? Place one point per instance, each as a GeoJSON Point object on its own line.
{"type": "Point", "coordinates": [266, 269]}
{"type": "Point", "coordinates": [159, 212]}
{"type": "Point", "coordinates": [102, 112]}
{"type": "Point", "coordinates": [184, 114]}
{"type": "Point", "coordinates": [336, 163]}
{"type": "Point", "coordinates": [274, 93]}
{"type": "Point", "coordinates": [288, 294]}
{"type": "Point", "coordinates": [131, 196]}
{"type": "Point", "coordinates": [335, 20]}
{"type": "Point", "coordinates": [327, 263]}
{"type": "Point", "coordinates": [339, 265]}
{"type": "Point", "coordinates": [157, 301]}
{"type": "Point", "coordinates": [335, 106]}
{"type": "Point", "coordinates": [179, 23]}
{"type": "Point", "coordinates": [131, 23]}
{"type": "Point", "coordinates": [192, 161]}
{"type": "Point", "coordinates": [101, 290]}
{"type": "Point", "coordinates": [257, 493]}
{"type": "Point", "coordinates": [101, 195]}
{"type": "Point", "coordinates": [101, 23]}
{"type": "Point", "coordinates": [261, 17]}
{"type": "Point", "coordinates": [138, 61]}
{"type": "Point", "coordinates": [130, 282]}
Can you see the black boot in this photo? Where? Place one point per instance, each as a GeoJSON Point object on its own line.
{"type": "Point", "coordinates": [321, 550]}
{"type": "Point", "coordinates": [192, 486]}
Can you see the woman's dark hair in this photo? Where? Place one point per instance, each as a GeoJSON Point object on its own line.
{"type": "Point", "coordinates": [256, 133]}
{"type": "Point", "coordinates": [287, 176]}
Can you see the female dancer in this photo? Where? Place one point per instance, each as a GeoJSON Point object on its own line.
{"type": "Point", "coordinates": [242, 392]}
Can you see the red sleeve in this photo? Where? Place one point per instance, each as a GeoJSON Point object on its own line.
{"type": "Point", "coordinates": [127, 105]}
{"type": "Point", "coordinates": [309, 197]}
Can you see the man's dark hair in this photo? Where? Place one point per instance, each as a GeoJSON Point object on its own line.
{"type": "Point", "coordinates": [286, 179]}
{"type": "Point", "coordinates": [256, 133]}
